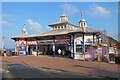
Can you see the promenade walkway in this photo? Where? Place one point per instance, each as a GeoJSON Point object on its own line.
{"type": "Point", "coordinates": [68, 65]}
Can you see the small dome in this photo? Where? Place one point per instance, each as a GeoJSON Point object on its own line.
{"type": "Point", "coordinates": [63, 18]}
{"type": "Point", "coordinates": [83, 20]}
{"type": "Point", "coordinates": [63, 15]}
{"type": "Point", "coordinates": [24, 29]}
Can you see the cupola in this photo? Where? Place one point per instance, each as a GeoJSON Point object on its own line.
{"type": "Point", "coordinates": [83, 22]}
{"type": "Point", "coordinates": [24, 31]}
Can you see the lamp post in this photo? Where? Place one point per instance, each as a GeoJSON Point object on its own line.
{"type": "Point", "coordinates": [3, 46]}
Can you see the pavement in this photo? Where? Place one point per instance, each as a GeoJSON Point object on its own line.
{"type": "Point", "coordinates": [100, 69]}
{"type": "Point", "coordinates": [12, 70]}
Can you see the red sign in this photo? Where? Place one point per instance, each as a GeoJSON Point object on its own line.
{"type": "Point", "coordinates": [22, 42]}
{"type": "Point", "coordinates": [32, 42]}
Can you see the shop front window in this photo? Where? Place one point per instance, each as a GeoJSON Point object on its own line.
{"type": "Point", "coordinates": [79, 48]}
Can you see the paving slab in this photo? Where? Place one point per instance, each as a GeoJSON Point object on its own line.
{"type": "Point", "coordinates": [64, 64]}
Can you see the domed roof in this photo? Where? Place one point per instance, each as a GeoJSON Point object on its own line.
{"type": "Point", "coordinates": [82, 20]}
{"type": "Point", "coordinates": [63, 15]}
{"type": "Point", "coordinates": [24, 29]}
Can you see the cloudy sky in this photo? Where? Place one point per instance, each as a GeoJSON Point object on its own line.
{"type": "Point", "coordinates": [37, 16]}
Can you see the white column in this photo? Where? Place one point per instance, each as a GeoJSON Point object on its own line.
{"type": "Point", "coordinates": [15, 46]}
{"type": "Point", "coordinates": [51, 28]}
{"type": "Point", "coordinates": [26, 47]}
{"type": "Point", "coordinates": [74, 44]}
{"type": "Point", "coordinates": [74, 48]}
{"type": "Point", "coordinates": [36, 48]}
{"type": "Point", "coordinates": [71, 46]}
{"type": "Point", "coordinates": [60, 26]}
{"type": "Point", "coordinates": [18, 47]}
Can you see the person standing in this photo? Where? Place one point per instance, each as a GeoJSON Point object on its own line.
{"type": "Point", "coordinates": [5, 54]}
{"type": "Point", "coordinates": [59, 51]}
{"type": "Point", "coordinates": [63, 53]}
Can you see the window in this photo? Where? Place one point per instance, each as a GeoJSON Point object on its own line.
{"type": "Point", "coordinates": [79, 48]}
{"type": "Point", "coordinates": [81, 24]}
{"type": "Point", "coordinates": [61, 26]}
{"type": "Point", "coordinates": [58, 27]}
{"type": "Point", "coordinates": [55, 27]}
{"type": "Point", "coordinates": [84, 24]}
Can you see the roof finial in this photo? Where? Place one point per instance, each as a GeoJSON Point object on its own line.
{"type": "Point", "coordinates": [24, 26]}
{"type": "Point", "coordinates": [82, 14]}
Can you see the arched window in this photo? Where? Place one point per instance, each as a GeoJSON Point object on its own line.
{"type": "Point", "coordinates": [84, 24]}
{"type": "Point", "coordinates": [58, 27]}
{"type": "Point", "coordinates": [55, 27]}
{"type": "Point", "coordinates": [61, 26]}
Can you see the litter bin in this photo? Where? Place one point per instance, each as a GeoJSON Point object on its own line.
{"type": "Point", "coordinates": [117, 60]}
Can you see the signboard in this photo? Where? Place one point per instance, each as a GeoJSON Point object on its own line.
{"type": "Point", "coordinates": [78, 40]}
{"type": "Point", "coordinates": [62, 37]}
{"type": "Point", "coordinates": [88, 39]}
{"type": "Point", "coordinates": [43, 42]}
{"type": "Point", "coordinates": [62, 42]}
{"type": "Point", "coordinates": [32, 42]}
{"type": "Point", "coordinates": [22, 42]}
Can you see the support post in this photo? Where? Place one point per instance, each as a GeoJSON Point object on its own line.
{"type": "Point", "coordinates": [93, 39]}
{"type": "Point", "coordinates": [53, 46]}
{"type": "Point", "coordinates": [36, 48]}
{"type": "Point", "coordinates": [83, 46]}
{"type": "Point", "coordinates": [18, 47]}
{"type": "Point", "coordinates": [98, 41]}
{"type": "Point", "coordinates": [26, 47]}
{"type": "Point", "coordinates": [74, 46]}
{"type": "Point", "coordinates": [53, 49]}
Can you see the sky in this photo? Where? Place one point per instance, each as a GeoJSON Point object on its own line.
{"type": "Point", "coordinates": [38, 15]}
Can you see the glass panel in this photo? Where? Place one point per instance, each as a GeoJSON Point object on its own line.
{"type": "Point", "coordinates": [79, 48]}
